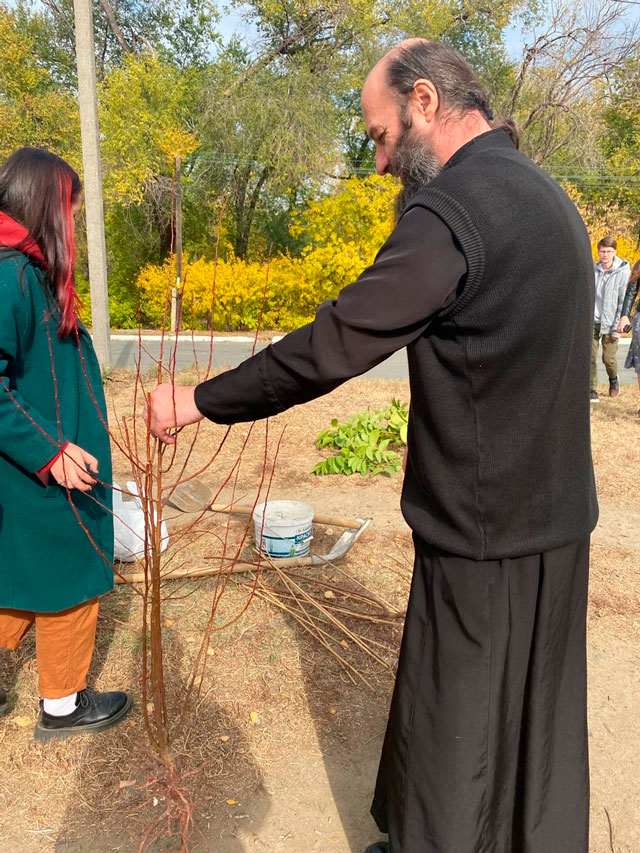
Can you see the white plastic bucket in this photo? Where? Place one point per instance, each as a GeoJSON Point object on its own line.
{"type": "Point", "coordinates": [284, 530]}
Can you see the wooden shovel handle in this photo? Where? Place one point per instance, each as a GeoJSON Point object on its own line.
{"type": "Point", "coordinates": [184, 572]}
{"type": "Point", "coordinates": [329, 520]}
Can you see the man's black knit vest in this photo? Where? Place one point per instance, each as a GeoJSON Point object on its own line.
{"type": "Point", "coordinates": [499, 441]}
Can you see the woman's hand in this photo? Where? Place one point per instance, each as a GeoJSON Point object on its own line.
{"type": "Point", "coordinates": [70, 469]}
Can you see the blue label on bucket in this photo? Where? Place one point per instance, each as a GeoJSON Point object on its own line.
{"type": "Point", "coordinates": [284, 528]}
{"type": "Point", "coordinates": [290, 546]}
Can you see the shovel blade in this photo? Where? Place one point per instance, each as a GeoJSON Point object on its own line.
{"type": "Point", "coordinates": [191, 496]}
{"type": "Point", "coordinates": [343, 544]}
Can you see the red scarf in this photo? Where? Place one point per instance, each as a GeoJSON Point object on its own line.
{"type": "Point", "coordinates": [15, 236]}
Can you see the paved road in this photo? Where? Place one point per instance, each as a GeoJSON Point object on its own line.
{"type": "Point", "coordinates": [228, 352]}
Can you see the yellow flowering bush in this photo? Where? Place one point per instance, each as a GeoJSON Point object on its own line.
{"type": "Point", "coordinates": [345, 232]}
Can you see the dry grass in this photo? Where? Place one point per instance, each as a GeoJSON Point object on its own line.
{"type": "Point", "coordinates": [614, 434]}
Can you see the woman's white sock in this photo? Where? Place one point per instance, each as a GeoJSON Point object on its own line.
{"type": "Point", "coordinates": [60, 707]}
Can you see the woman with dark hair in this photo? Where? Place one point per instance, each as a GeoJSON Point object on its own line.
{"type": "Point", "coordinates": [56, 528]}
{"type": "Point", "coordinates": [633, 358]}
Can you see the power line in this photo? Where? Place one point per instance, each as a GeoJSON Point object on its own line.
{"type": "Point", "coordinates": [608, 176]}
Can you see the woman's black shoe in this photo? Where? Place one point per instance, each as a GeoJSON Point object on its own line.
{"type": "Point", "coordinates": [94, 712]}
{"type": "Point", "coordinates": [4, 703]}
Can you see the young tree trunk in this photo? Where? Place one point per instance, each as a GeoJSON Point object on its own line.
{"type": "Point", "coordinates": [245, 209]}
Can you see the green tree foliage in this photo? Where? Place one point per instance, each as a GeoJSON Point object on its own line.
{"type": "Point", "coordinates": [183, 32]}
{"type": "Point", "coordinates": [264, 139]}
{"type": "Point", "coordinates": [145, 107]}
{"type": "Point", "coordinates": [620, 144]}
{"type": "Point", "coordinates": [34, 111]}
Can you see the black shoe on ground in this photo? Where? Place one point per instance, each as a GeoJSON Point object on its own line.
{"type": "Point", "coordinates": [594, 396]}
{"type": "Point", "coordinates": [380, 847]}
{"type": "Point", "coordinates": [4, 703]}
{"type": "Point", "coordinates": [614, 387]}
{"type": "Point", "coordinates": [94, 712]}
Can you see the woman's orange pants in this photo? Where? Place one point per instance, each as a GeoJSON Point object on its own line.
{"type": "Point", "coordinates": [64, 644]}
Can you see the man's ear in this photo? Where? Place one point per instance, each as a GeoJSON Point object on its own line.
{"type": "Point", "coordinates": [424, 100]}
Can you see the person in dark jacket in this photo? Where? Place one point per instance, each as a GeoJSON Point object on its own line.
{"type": "Point", "coordinates": [56, 528]}
{"type": "Point", "coordinates": [633, 357]}
{"type": "Point", "coordinates": [486, 745]}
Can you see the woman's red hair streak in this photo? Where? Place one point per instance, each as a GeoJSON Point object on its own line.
{"type": "Point", "coordinates": [67, 296]}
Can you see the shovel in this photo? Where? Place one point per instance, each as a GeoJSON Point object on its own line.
{"type": "Point", "coordinates": [195, 496]}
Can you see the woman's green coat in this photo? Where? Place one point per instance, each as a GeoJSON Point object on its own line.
{"type": "Point", "coordinates": [56, 547]}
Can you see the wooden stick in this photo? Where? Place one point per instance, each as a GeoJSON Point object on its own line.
{"type": "Point", "coordinates": [329, 520]}
{"type": "Point", "coordinates": [236, 568]}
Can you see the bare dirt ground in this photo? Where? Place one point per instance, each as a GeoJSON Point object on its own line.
{"type": "Point", "coordinates": [283, 745]}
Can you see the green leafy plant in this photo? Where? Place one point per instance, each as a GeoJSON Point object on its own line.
{"type": "Point", "coordinates": [367, 443]}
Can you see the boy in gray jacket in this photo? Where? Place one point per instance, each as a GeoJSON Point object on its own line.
{"type": "Point", "coordinates": [611, 277]}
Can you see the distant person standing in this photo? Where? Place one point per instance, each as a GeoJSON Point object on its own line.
{"type": "Point", "coordinates": [633, 358]}
{"type": "Point", "coordinates": [612, 275]}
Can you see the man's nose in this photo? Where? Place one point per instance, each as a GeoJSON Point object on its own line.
{"type": "Point", "coordinates": [382, 162]}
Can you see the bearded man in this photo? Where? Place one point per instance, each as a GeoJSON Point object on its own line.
{"type": "Point", "coordinates": [486, 746]}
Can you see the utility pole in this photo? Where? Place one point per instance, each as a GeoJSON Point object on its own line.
{"type": "Point", "coordinates": [88, 102]}
{"type": "Point", "coordinates": [176, 292]}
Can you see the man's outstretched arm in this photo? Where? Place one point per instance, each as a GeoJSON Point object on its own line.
{"type": "Point", "coordinates": [418, 271]}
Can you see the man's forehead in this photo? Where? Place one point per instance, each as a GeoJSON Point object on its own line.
{"type": "Point", "coordinates": [377, 101]}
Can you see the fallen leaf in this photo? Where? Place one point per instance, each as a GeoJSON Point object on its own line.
{"type": "Point", "coordinates": [344, 644]}
{"type": "Point", "coordinates": [232, 802]}
{"type": "Point", "coordinates": [168, 623]}
{"type": "Point", "coordinates": [23, 722]}
{"type": "Point", "coordinates": [149, 707]}
{"type": "Point", "coordinates": [197, 681]}
{"type": "Point", "coordinates": [253, 716]}
{"type": "Point", "coordinates": [127, 783]}
{"type": "Point", "coordinates": [224, 738]}
{"type": "Point", "coordinates": [329, 594]}
{"type": "Point", "coordinates": [332, 711]}
{"type": "Point", "coordinates": [132, 723]}
{"type": "Point", "coordinates": [38, 817]}
{"type": "Point", "coordinates": [211, 651]}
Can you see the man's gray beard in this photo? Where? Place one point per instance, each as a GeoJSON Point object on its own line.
{"type": "Point", "coordinates": [415, 163]}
